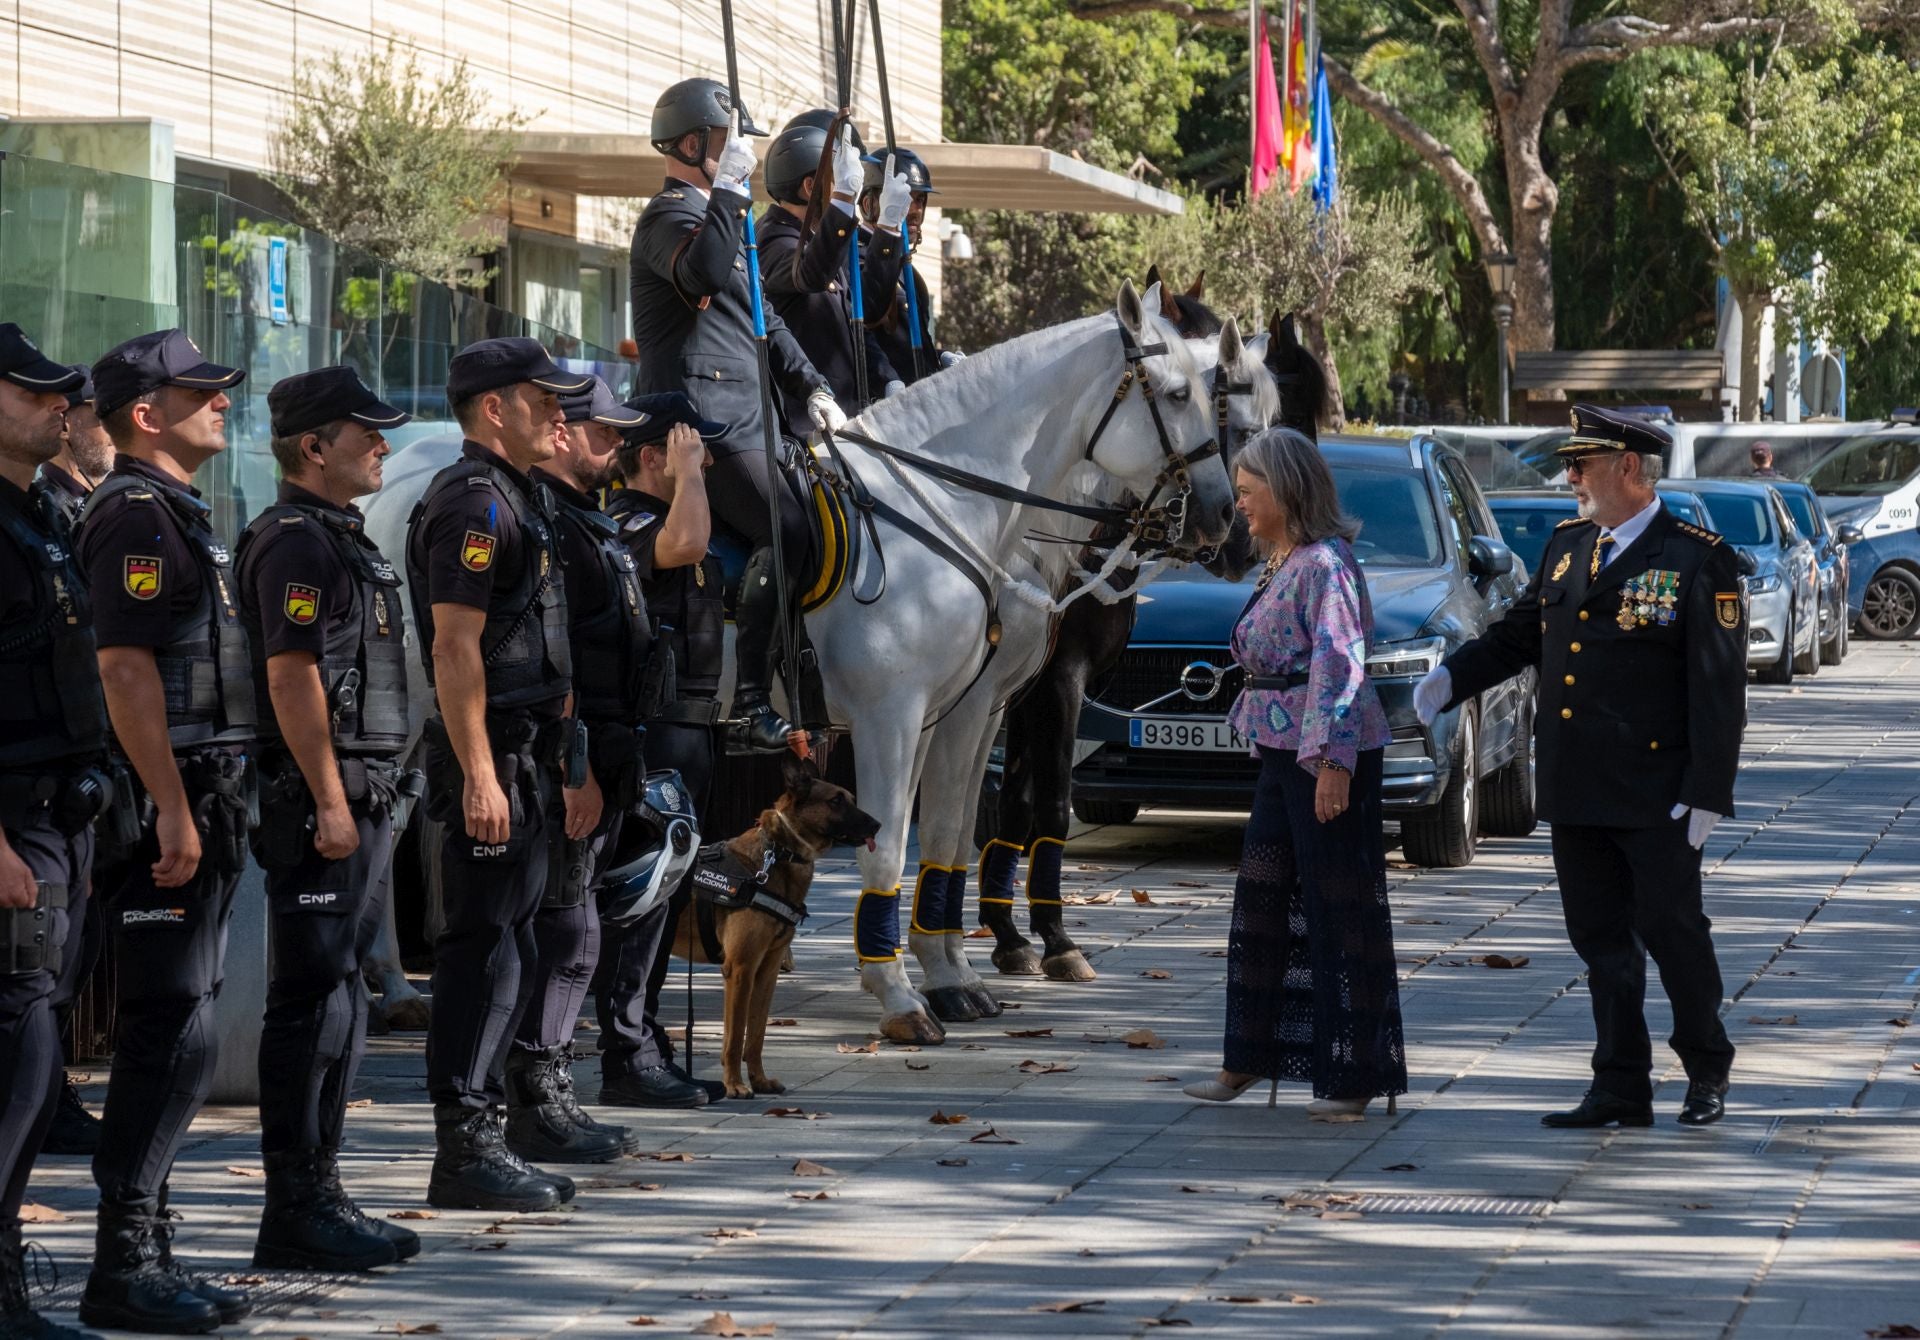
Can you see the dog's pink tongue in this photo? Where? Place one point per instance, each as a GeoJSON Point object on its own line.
{"type": "Point", "coordinates": [869, 844]}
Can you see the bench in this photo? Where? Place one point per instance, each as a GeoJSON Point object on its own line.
{"type": "Point", "coordinates": [1695, 375]}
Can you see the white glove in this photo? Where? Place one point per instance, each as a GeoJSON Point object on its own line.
{"type": "Point", "coordinates": [896, 198]}
{"type": "Point", "coordinates": [948, 357]}
{"type": "Point", "coordinates": [734, 170]}
{"type": "Point", "coordinates": [1433, 693]}
{"type": "Point", "coordinates": [892, 389]}
{"type": "Point", "coordinates": [826, 414]}
{"type": "Point", "coordinates": [849, 177]}
{"type": "Point", "coordinates": [1699, 823]}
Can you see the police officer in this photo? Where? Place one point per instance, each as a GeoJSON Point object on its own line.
{"type": "Point", "coordinates": [881, 207]}
{"type": "Point", "coordinates": [807, 278]}
{"type": "Point", "coordinates": [1634, 622]}
{"type": "Point", "coordinates": [664, 521]}
{"type": "Point", "coordinates": [53, 731]}
{"type": "Point", "coordinates": [609, 640]}
{"type": "Point", "coordinates": [179, 688]}
{"type": "Point", "coordinates": [489, 603]}
{"type": "Point", "coordinates": [693, 322]}
{"type": "Point", "coordinates": [322, 611]}
{"type": "Point", "coordinates": [88, 453]}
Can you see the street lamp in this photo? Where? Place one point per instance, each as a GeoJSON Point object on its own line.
{"type": "Point", "coordinates": [957, 247]}
{"type": "Point", "coordinates": [1500, 279]}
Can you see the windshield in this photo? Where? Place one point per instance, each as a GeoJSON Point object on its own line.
{"type": "Point", "coordinates": [1398, 528]}
{"type": "Point", "coordinates": [1742, 518]}
{"type": "Point", "coordinates": [1526, 524]}
{"type": "Point", "coordinates": [1800, 507]}
{"type": "Point", "coordinates": [1868, 467]}
{"type": "Point", "coordinates": [1730, 455]}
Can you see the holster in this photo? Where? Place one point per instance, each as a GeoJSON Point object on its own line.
{"type": "Point", "coordinates": [225, 807]}
{"type": "Point", "coordinates": [125, 821]}
{"type": "Point", "coordinates": [31, 937]}
{"type": "Point", "coordinates": [566, 872]}
{"type": "Point", "coordinates": [285, 833]}
{"type": "Point", "coordinates": [658, 685]}
{"type": "Point", "coordinates": [515, 741]}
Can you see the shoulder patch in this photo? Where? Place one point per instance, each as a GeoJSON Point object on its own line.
{"type": "Point", "coordinates": [476, 551]}
{"type": "Point", "coordinates": [302, 603]}
{"type": "Point", "coordinates": [638, 521]}
{"type": "Point", "coordinates": [1706, 537]}
{"type": "Point", "coordinates": [142, 576]}
{"type": "Point", "coordinates": [1575, 521]}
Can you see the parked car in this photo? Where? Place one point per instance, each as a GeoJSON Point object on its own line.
{"type": "Point", "coordinates": [1783, 614]}
{"type": "Point", "coordinates": [1830, 545]}
{"type": "Point", "coordinates": [1528, 516]}
{"type": "Point", "coordinates": [1438, 575]}
{"type": "Point", "coordinates": [1871, 481]}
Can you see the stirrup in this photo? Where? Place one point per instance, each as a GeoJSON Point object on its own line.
{"type": "Point", "coordinates": [761, 730]}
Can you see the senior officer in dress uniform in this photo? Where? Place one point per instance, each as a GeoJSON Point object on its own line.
{"type": "Point", "coordinates": [665, 523]}
{"type": "Point", "coordinates": [53, 734]}
{"type": "Point", "coordinates": [609, 640]}
{"type": "Point", "coordinates": [1635, 625]}
{"type": "Point", "coordinates": [489, 603]}
{"type": "Point", "coordinates": [693, 322]}
{"type": "Point", "coordinates": [322, 610]}
{"type": "Point", "coordinates": [178, 678]}
{"type": "Point", "coordinates": [887, 307]}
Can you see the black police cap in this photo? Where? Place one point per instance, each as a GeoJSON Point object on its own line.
{"type": "Point", "coordinates": [488, 365]}
{"type": "Point", "coordinates": [1598, 431]}
{"type": "Point", "coordinates": [310, 400]}
{"type": "Point", "coordinates": [148, 362]}
{"type": "Point", "coordinates": [22, 363]}
{"type": "Point", "coordinates": [83, 393]}
{"type": "Point", "coordinates": [663, 411]}
{"type": "Point", "coordinates": [595, 402]}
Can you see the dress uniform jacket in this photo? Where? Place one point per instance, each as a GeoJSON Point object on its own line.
{"type": "Point", "coordinates": [1642, 673]}
{"type": "Point", "coordinates": [817, 307]}
{"type": "Point", "coordinates": [895, 335]}
{"type": "Point", "coordinates": [693, 314]}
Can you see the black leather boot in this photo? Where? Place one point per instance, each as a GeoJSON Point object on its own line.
{"type": "Point", "coordinates": [473, 1169]}
{"type": "Point", "coordinates": [130, 1288]}
{"type": "Point", "coordinates": [655, 1086]}
{"type": "Point", "coordinates": [233, 1305]}
{"type": "Point", "coordinates": [716, 1091]}
{"type": "Point", "coordinates": [18, 1320]}
{"type": "Point", "coordinates": [538, 1123]}
{"type": "Point", "coordinates": [75, 1131]}
{"type": "Point", "coordinates": [302, 1228]}
{"type": "Point", "coordinates": [406, 1242]}
{"type": "Point", "coordinates": [756, 622]}
{"type": "Point", "coordinates": [579, 1116]}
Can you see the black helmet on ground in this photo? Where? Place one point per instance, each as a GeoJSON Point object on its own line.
{"type": "Point", "coordinates": [919, 179]}
{"type": "Point", "coordinates": [691, 104]}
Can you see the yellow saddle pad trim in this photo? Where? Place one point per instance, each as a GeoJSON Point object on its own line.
{"type": "Point", "coordinates": [832, 575]}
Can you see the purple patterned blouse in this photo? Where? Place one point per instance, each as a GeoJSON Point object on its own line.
{"type": "Point", "coordinates": [1314, 616]}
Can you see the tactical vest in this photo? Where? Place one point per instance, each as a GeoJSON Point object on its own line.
{"type": "Point", "coordinates": [205, 668]}
{"type": "Point", "coordinates": [523, 644]}
{"type": "Point", "coordinates": [610, 643]}
{"type": "Point", "coordinates": [363, 668]}
{"type": "Point", "coordinates": [690, 604]}
{"type": "Point", "coordinates": [51, 708]}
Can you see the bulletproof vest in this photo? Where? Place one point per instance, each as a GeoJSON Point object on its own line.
{"type": "Point", "coordinates": [690, 604]}
{"type": "Point", "coordinates": [363, 668]}
{"type": "Point", "coordinates": [610, 643]}
{"type": "Point", "coordinates": [51, 708]}
{"type": "Point", "coordinates": [205, 668]}
{"type": "Point", "coordinates": [524, 641]}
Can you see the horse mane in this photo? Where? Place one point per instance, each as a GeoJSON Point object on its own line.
{"type": "Point", "coordinates": [1302, 377]}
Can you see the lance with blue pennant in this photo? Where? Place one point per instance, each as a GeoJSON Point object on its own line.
{"type": "Point", "coordinates": [906, 229]}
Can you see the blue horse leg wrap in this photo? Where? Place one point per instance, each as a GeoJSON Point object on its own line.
{"type": "Point", "coordinates": [999, 860]}
{"type": "Point", "coordinates": [1043, 872]}
{"type": "Point", "coordinates": [929, 898]}
{"type": "Point", "coordinates": [953, 920]}
{"type": "Point", "coordinates": [876, 925]}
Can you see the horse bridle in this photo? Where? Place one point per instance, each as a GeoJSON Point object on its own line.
{"type": "Point", "coordinates": [1167, 524]}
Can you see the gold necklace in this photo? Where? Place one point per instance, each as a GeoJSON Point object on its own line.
{"type": "Point", "coordinates": [1274, 562]}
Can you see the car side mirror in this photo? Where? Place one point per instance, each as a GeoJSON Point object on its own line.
{"type": "Point", "coordinates": [1746, 562]}
{"type": "Point", "coordinates": [1849, 534]}
{"type": "Point", "coordinates": [1488, 558]}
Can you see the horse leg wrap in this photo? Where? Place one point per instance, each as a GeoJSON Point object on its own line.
{"type": "Point", "coordinates": [876, 925]}
{"type": "Point", "coordinates": [953, 913]}
{"type": "Point", "coordinates": [1012, 952]}
{"type": "Point", "coordinates": [1044, 906]}
{"type": "Point", "coordinates": [930, 898]}
{"type": "Point", "coordinates": [998, 861]}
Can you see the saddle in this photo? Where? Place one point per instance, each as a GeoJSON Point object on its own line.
{"type": "Point", "coordinates": [721, 879]}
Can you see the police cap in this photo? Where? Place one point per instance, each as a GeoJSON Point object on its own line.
{"type": "Point", "coordinates": [488, 365]}
{"type": "Point", "coordinates": [1598, 431]}
{"type": "Point", "coordinates": [83, 393]}
{"type": "Point", "coordinates": [594, 402]}
{"type": "Point", "coordinates": [663, 410]}
{"type": "Point", "coordinates": [147, 362]}
{"type": "Point", "coordinates": [310, 400]}
{"type": "Point", "coordinates": [22, 363]}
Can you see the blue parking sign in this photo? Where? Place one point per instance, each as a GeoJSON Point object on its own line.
{"type": "Point", "coordinates": [277, 279]}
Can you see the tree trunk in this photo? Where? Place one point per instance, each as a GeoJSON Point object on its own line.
{"type": "Point", "coordinates": [1533, 200]}
{"type": "Point", "coordinates": [1314, 328]}
{"type": "Point", "coordinates": [1753, 310]}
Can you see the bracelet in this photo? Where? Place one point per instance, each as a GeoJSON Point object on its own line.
{"type": "Point", "coordinates": [1328, 765]}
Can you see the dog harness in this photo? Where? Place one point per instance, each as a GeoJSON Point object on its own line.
{"type": "Point", "coordinates": [722, 880]}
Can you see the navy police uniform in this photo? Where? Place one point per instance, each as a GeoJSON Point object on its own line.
{"type": "Point", "coordinates": [808, 284]}
{"type": "Point", "coordinates": [1642, 662]}
{"type": "Point", "coordinates": [887, 305]}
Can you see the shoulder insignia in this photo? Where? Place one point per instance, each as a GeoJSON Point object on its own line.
{"type": "Point", "coordinates": [1704, 536]}
{"type": "Point", "coordinates": [293, 519]}
{"type": "Point", "coordinates": [142, 576]}
{"type": "Point", "coordinates": [476, 551]}
{"type": "Point", "coordinates": [302, 603]}
{"type": "Point", "coordinates": [1575, 521]}
{"type": "Point", "coordinates": [672, 195]}
{"type": "Point", "coordinates": [638, 521]}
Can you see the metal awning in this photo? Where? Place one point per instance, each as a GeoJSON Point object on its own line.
{"type": "Point", "coordinates": [969, 176]}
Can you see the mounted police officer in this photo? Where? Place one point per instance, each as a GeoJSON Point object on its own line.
{"type": "Point", "coordinates": [489, 605]}
{"type": "Point", "coordinates": [610, 641]}
{"type": "Point", "coordinates": [177, 672]}
{"type": "Point", "coordinates": [1635, 624]}
{"type": "Point", "coordinates": [693, 322]}
{"type": "Point", "coordinates": [322, 611]}
{"type": "Point", "coordinates": [892, 322]}
{"type": "Point", "coordinates": [53, 734]}
{"type": "Point", "coordinates": [808, 278]}
{"type": "Point", "coordinates": [665, 524]}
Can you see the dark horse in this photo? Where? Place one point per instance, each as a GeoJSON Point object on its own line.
{"type": "Point", "coordinates": [1035, 798]}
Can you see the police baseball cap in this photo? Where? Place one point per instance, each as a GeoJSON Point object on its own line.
{"type": "Point", "coordinates": [147, 362]}
{"type": "Point", "coordinates": [488, 365]}
{"type": "Point", "coordinates": [22, 363]}
{"type": "Point", "coordinates": [595, 402]}
{"type": "Point", "coordinates": [1598, 431]}
{"type": "Point", "coordinates": [83, 393]}
{"type": "Point", "coordinates": [663, 411]}
{"type": "Point", "coordinates": [309, 400]}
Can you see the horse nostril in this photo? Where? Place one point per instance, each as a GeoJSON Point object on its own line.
{"type": "Point", "coordinates": [1226, 513]}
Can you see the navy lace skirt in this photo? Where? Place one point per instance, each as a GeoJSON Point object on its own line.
{"type": "Point", "coordinates": [1313, 990]}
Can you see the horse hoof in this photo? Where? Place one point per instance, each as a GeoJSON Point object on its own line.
{"type": "Point", "coordinates": [407, 1016]}
{"type": "Point", "coordinates": [983, 1001]}
{"type": "Point", "coordinates": [1071, 966]}
{"type": "Point", "coordinates": [913, 1027]}
{"type": "Point", "coordinates": [952, 1005]}
{"type": "Point", "coordinates": [1018, 961]}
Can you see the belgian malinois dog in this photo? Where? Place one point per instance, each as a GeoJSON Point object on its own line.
{"type": "Point", "coordinates": [809, 817]}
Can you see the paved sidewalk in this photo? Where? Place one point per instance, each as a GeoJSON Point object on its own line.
{"type": "Point", "coordinates": [1089, 1178]}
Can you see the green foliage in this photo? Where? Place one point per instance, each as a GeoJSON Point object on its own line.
{"type": "Point", "coordinates": [384, 160]}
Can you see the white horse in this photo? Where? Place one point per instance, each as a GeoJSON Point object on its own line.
{"type": "Point", "coordinates": [1109, 403]}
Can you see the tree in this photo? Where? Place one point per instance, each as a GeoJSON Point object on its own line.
{"type": "Point", "coordinates": [379, 158]}
{"type": "Point", "coordinates": [1799, 172]}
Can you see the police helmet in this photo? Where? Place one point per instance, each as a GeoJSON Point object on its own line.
{"type": "Point", "coordinates": [691, 104]}
{"type": "Point", "coordinates": [658, 846]}
{"type": "Point", "coordinates": [794, 157]}
{"type": "Point", "coordinates": [919, 180]}
{"type": "Point", "coordinates": [823, 118]}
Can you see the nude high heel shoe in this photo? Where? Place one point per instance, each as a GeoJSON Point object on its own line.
{"type": "Point", "coordinates": [1213, 1091]}
{"type": "Point", "coordinates": [1345, 1109]}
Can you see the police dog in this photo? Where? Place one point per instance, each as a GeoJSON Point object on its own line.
{"type": "Point", "coordinates": [744, 933]}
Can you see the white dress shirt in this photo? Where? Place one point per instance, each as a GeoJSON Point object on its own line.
{"type": "Point", "coordinates": [1629, 530]}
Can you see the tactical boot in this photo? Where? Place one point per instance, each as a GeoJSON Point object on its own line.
{"type": "Point", "coordinates": [715, 1090]}
{"type": "Point", "coordinates": [302, 1228]}
{"type": "Point", "coordinates": [130, 1288]}
{"type": "Point", "coordinates": [18, 1320]}
{"type": "Point", "coordinates": [406, 1242]}
{"type": "Point", "coordinates": [563, 1089]}
{"type": "Point", "coordinates": [233, 1305]}
{"type": "Point", "coordinates": [538, 1123]}
{"type": "Point", "coordinates": [756, 623]}
{"type": "Point", "coordinates": [474, 1170]}
{"type": "Point", "coordinates": [75, 1131]}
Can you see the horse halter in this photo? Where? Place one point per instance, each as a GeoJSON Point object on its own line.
{"type": "Point", "coordinates": [1166, 524]}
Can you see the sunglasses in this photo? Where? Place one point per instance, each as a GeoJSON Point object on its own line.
{"type": "Point", "coordinates": [1580, 465]}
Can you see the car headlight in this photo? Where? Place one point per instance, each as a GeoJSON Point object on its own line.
{"type": "Point", "coordinates": [1764, 584]}
{"type": "Point", "coordinates": [1406, 660]}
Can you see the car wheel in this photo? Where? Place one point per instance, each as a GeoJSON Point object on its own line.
{"type": "Point", "coordinates": [1509, 808]}
{"type": "Point", "coordinates": [1446, 834]}
{"type": "Point", "coordinates": [1834, 649]}
{"type": "Point", "coordinates": [1781, 670]}
{"type": "Point", "coordinates": [1890, 608]}
{"type": "Point", "coordinates": [1089, 810]}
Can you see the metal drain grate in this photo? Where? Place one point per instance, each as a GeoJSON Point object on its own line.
{"type": "Point", "coordinates": [275, 1293]}
{"type": "Point", "coordinates": [1507, 1207]}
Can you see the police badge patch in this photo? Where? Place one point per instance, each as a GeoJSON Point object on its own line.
{"type": "Point", "coordinates": [1560, 568]}
{"type": "Point", "coordinates": [476, 551]}
{"type": "Point", "coordinates": [142, 577]}
{"type": "Point", "coordinates": [302, 603]}
{"type": "Point", "coordinates": [1726, 608]}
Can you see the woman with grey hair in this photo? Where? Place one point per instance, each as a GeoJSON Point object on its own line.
{"type": "Point", "coordinates": [1312, 988]}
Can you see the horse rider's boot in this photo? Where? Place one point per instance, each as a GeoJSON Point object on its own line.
{"type": "Point", "coordinates": [756, 625]}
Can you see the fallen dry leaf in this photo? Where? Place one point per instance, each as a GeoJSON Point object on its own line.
{"type": "Point", "coordinates": [1303, 1299]}
{"type": "Point", "coordinates": [1897, 1331]}
{"type": "Point", "coordinates": [706, 1294]}
{"type": "Point", "coordinates": [1401, 1167]}
{"type": "Point", "coordinates": [1238, 1298]}
{"type": "Point", "coordinates": [1141, 896]}
{"type": "Point", "coordinates": [1143, 1039]}
{"type": "Point", "coordinates": [1162, 1079]}
{"type": "Point", "coordinates": [1901, 1023]}
{"type": "Point", "coordinates": [953, 1163]}
{"type": "Point", "coordinates": [401, 1328]}
{"type": "Point", "coordinates": [643, 1186]}
{"type": "Point", "coordinates": [1192, 884]}
{"type": "Point", "coordinates": [972, 1047]}
{"type": "Point", "coordinates": [414, 1214]}
{"type": "Point", "coordinates": [1423, 921]}
{"type": "Point", "coordinates": [810, 1195]}
{"type": "Point", "coordinates": [1077, 1305]}
{"type": "Point", "coordinates": [1502, 961]}
{"type": "Point", "coordinates": [34, 1213]}
{"type": "Point", "coordinates": [1165, 1321]}
{"type": "Point", "coordinates": [940, 1118]}
{"type": "Point", "coordinates": [1698, 1205]}
{"type": "Point", "coordinates": [247, 1172]}
{"type": "Point", "coordinates": [1157, 974]}
{"type": "Point", "coordinates": [808, 1168]}
{"type": "Point", "coordinates": [1089, 865]}
{"type": "Point", "coordinates": [361, 1102]}
{"type": "Point", "coordinates": [1197, 1190]}
{"type": "Point", "coordinates": [1774, 1021]}
{"type": "Point", "coordinates": [722, 1323]}
{"type": "Point", "coordinates": [643, 1321]}
{"type": "Point", "coordinates": [486, 1246]}
{"type": "Point", "coordinates": [1043, 1067]}
{"type": "Point", "coordinates": [980, 933]}
{"type": "Point", "coordinates": [1029, 1032]}
{"type": "Point", "coordinates": [1340, 1214]}
{"type": "Point", "coordinates": [731, 1233]}
{"type": "Point", "coordinates": [783, 1023]}
{"type": "Point", "coordinates": [991, 1137]}
{"type": "Point", "coordinates": [853, 1048]}
{"type": "Point", "coordinates": [677, 1156]}
{"type": "Point", "coordinates": [796, 1113]}
{"type": "Point", "coordinates": [919, 1065]}
{"type": "Point", "coordinates": [1100, 899]}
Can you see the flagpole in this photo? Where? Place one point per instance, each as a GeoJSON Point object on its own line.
{"type": "Point", "coordinates": [1253, 90]}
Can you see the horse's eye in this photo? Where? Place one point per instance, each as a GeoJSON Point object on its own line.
{"type": "Point", "coordinates": [1181, 396]}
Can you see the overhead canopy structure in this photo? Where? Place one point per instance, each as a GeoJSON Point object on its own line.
{"type": "Point", "coordinates": [969, 176]}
